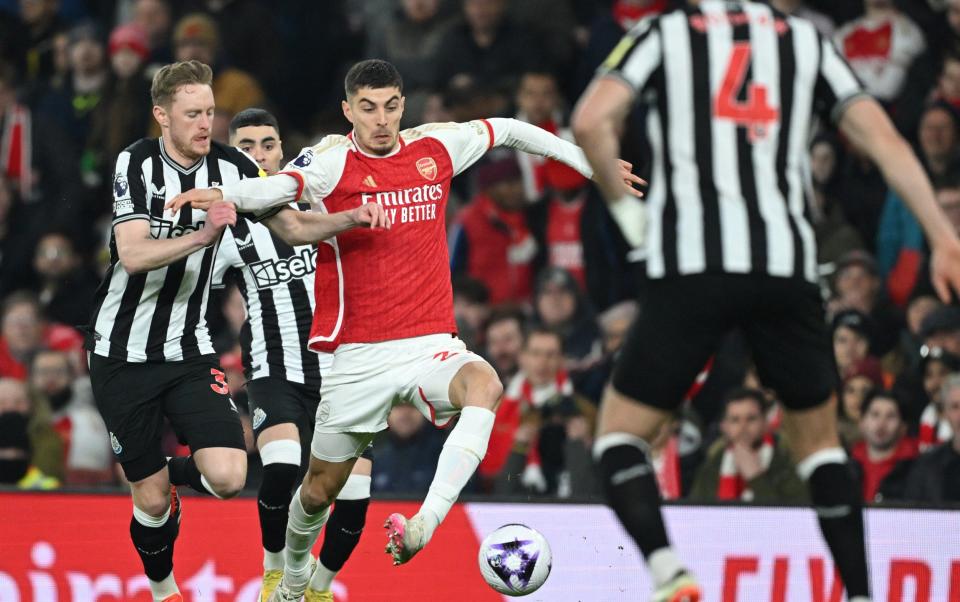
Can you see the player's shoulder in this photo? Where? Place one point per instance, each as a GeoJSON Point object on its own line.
{"type": "Point", "coordinates": [443, 130]}
{"type": "Point", "coordinates": [329, 148]}
{"type": "Point", "coordinates": [142, 148]}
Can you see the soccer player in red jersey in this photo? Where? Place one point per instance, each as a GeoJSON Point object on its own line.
{"type": "Point", "coordinates": [384, 301]}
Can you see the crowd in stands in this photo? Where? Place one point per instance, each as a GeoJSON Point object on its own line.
{"type": "Point", "coordinates": [543, 287]}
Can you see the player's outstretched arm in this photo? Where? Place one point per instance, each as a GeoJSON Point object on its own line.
{"type": "Point", "coordinates": [140, 252]}
{"type": "Point", "coordinates": [596, 121]}
{"type": "Point", "coordinates": [308, 227]}
{"type": "Point", "coordinates": [866, 125]}
{"type": "Point", "coordinates": [252, 195]}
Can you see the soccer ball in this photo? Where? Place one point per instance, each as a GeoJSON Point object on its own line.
{"type": "Point", "coordinates": [515, 560]}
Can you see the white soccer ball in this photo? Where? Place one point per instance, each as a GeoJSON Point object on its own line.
{"type": "Point", "coordinates": [515, 560]}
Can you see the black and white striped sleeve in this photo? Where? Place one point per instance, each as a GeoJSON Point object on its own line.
{"type": "Point", "coordinates": [837, 85]}
{"type": "Point", "coordinates": [637, 55]}
{"type": "Point", "coordinates": [129, 191]}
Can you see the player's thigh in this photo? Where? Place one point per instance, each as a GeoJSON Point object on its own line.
{"type": "Point", "coordinates": [357, 393]}
{"type": "Point", "coordinates": [434, 368]}
{"type": "Point", "coordinates": [277, 406]}
{"type": "Point", "coordinates": [200, 408]}
{"type": "Point", "coordinates": [129, 398]}
{"type": "Point", "coordinates": [680, 325]}
{"type": "Point", "coordinates": [790, 342]}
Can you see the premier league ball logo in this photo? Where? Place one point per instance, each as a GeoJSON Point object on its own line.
{"type": "Point", "coordinates": [120, 186]}
{"type": "Point", "coordinates": [515, 560]}
{"type": "Point", "coordinates": [305, 158]}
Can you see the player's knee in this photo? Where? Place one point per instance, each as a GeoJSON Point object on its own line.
{"type": "Point", "coordinates": [489, 390]}
{"type": "Point", "coordinates": [226, 482]}
{"type": "Point", "coordinates": [154, 505]}
{"type": "Point", "coordinates": [315, 495]}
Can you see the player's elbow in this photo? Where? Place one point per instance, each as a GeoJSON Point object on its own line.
{"type": "Point", "coordinates": [584, 124]}
{"type": "Point", "coordinates": [130, 262]}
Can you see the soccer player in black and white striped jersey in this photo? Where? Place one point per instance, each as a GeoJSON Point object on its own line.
{"type": "Point", "coordinates": [732, 89]}
{"type": "Point", "coordinates": [276, 281]}
{"type": "Point", "coordinates": [149, 349]}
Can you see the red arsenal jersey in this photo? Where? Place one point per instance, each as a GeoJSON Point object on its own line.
{"type": "Point", "coordinates": [384, 285]}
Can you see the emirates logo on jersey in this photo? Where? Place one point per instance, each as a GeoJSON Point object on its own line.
{"type": "Point", "coordinates": [427, 168]}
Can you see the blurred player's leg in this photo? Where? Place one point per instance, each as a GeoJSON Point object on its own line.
{"type": "Point", "coordinates": [822, 463]}
{"type": "Point", "coordinates": [630, 484]}
{"type": "Point", "coordinates": [477, 389]}
{"type": "Point", "coordinates": [154, 529]}
{"type": "Point", "coordinates": [344, 528]}
{"type": "Point", "coordinates": [280, 453]}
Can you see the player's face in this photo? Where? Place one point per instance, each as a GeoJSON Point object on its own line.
{"type": "Point", "coordinates": [881, 425]}
{"type": "Point", "coordinates": [188, 121]}
{"type": "Point", "coordinates": [375, 114]}
{"type": "Point", "coordinates": [262, 142]}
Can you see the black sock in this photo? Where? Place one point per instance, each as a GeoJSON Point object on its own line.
{"type": "Point", "coordinates": [155, 545]}
{"type": "Point", "coordinates": [630, 484]}
{"type": "Point", "coordinates": [836, 498]}
{"type": "Point", "coordinates": [343, 532]}
{"type": "Point", "coordinates": [184, 471]}
{"type": "Point", "coordinates": [273, 503]}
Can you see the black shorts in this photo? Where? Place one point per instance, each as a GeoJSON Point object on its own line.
{"type": "Point", "coordinates": [683, 319]}
{"type": "Point", "coordinates": [134, 398]}
{"type": "Point", "coordinates": [276, 401]}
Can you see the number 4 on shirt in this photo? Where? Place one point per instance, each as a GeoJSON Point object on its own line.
{"type": "Point", "coordinates": [755, 113]}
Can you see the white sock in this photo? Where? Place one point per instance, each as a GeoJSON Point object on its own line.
{"type": "Point", "coordinates": [664, 565]}
{"type": "Point", "coordinates": [322, 579]}
{"type": "Point", "coordinates": [462, 452]}
{"type": "Point", "coordinates": [860, 599]}
{"type": "Point", "coordinates": [163, 589]}
{"type": "Point", "coordinates": [272, 561]}
{"type": "Point", "coordinates": [302, 532]}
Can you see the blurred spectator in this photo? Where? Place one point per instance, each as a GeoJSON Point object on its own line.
{"type": "Point", "coordinates": [410, 42]}
{"type": "Point", "coordinates": [857, 285]}
{"type": "Point", "coordinates": [234, 310]}
{"type": "Point", "coordinates": [71, 100]}
{"type": "Point", "coordinates": [559, 304]}
{"type": "Point", "coordinates": [852, 331]}
{"type": "Point", "coordinates": [747, 464]}
{"type": "Point", "coordinates": [13, 41]}
{"type": "Point", "coordinates": [504, 340]}
{"type": "Point", "coordinates": [860, 379]}
{"type": "Point", "coordinates": [948, 84]}
{"type": "Point", "coordinates": [42, 24]}
{"type": "Point", "coordinates": [557, 222]}
{"type": "Point", "coordinates": [487, 47]}
{"type": "Point", "coordinates": [66, 286]}
{"type": "Point", "coordinates": [941, 328]}
{"type": "Point", "coordinates": [471, 309]}
{"type": "Point", "coordinates": [24, 332]}
{"type": "Point", "coordinates": [86, 443]}
{"type": "Point", "coordinates": [493, 243]}
{"type": "Point", "coordinates": [15, 453]}
{"type": "Point", "coordinates": [935, 476]}
{"type": "Point", "coordinates": [882, 460]}
{"type": "Point", "coordinates": [796, 8]}
{"type": "Point", "coordinates": [539, 103]}
{"type": "Point", "coordinates": [880, 47]}
{"type": "Point", "coordinates": [937, 365]}
{"type": "Point", "coordinates": [196, 37]}
{"type": "Point", "coordinates": [835, 236]}
{"type": "Point", "coordinates": [676, 453]}
{"type": "Point", "coordinates": [123, 116]}
{"type": "Point", "coordinates": [614, 323]}
{"type": "Point", "coordinates": [155, 17]}
{"type": "Point", "coordinates": [407, 454]}
{"type": "Point", "coordinates": [46, 447]}
{"type": "Point", "coordinates": [15, 242]}
{"type": "Point", "coordinates": [557, 424]}
{"type": "Point", "coordinates": [900, 241]}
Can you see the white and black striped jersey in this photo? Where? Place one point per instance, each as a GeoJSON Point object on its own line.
{"type": "Point", "coordinates": [160, 315]}
{"type": "Point", "coordinates": [276, 281]}
{"type": "Point", "coordinates": [731, 91]}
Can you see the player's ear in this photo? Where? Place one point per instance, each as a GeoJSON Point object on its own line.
{"type": "Point", "coordinates": [346, 110]}
{"type": "Point", "coordinates": [160, 114]}
{"type": "Point", "coordinates": [403, 100]}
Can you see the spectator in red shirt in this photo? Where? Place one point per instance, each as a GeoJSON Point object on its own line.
{"type": "Point", "coordinates": [861, 378]}
{"type": "Point", "coordinates": [884, 457]}
{"type": "Point", "coordinates": [24, 332]}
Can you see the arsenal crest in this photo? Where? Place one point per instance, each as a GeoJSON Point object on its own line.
{"type": "Point", "coordinates": [427, 168]}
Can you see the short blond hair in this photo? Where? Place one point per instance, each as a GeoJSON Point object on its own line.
{"type": "Point", "coordinates": [171, 78]}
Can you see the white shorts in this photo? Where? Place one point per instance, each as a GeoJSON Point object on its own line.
{"type": "Point", "coordinates": [367, 379]}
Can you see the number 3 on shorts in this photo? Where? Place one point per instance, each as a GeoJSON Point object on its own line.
{"type": "Point", "coordinates": [220, 386]}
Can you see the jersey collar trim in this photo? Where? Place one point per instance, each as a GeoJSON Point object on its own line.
{"type": "Point", "coordinates": [356, 147]}
{"type": "Point", "coordinates": [169, 161]}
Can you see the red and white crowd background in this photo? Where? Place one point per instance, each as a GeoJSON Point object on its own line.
{"type": "Point", "coordinates": [76, 548]}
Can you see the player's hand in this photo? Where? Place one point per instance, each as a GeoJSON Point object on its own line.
{"type": "Point", "coordinates": [630, 180]}
{"type": "Point", "coordinates": [945, 269]}
{"type": "Point", "coordinates": [198, 198]}
{"type": "Point", "coordinates": [370, 215]}
{"type": "Point", "coordinates": [220, 215]}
